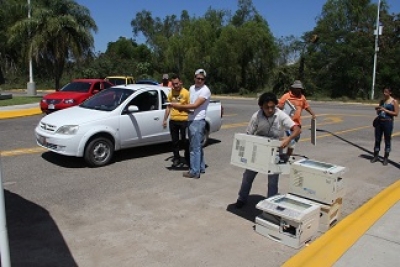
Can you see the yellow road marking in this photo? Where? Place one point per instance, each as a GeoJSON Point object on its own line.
{"type": "Point", "coordinates": [22, 151]}
{"type": "Point", "coordinates": [234, 125]}
{"type": "Point", "coordinates": [328, 248]}
{"type": "Point", "coordinates": [396, 134]}
{"type": "Point", "coordinates": [339, 132]}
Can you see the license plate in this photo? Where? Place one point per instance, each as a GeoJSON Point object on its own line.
{"type": "Point", "coordinates": [41, 140]}
{"type": "Point", "coordinates": [51, 106]}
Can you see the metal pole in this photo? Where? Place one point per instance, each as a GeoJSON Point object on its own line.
{"type": "Point", "coordinates": [4, 246]}
{"type": "Point", "coordinates": [376, 51]}
{"type": "Point", "coordinates": [31, 86]}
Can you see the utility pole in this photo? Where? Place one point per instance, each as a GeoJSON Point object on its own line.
{"type": "Point", "coordinates": [4, 245]}
{"type": "Point", "coordinates": [31, 86]}
{"type": "Point", "coordinates": [377, 33]}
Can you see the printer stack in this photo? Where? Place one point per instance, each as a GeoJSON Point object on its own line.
{"type": "Point", "coordinates": [314, 200]}
{"type": "Point", "coordinates": [320, 183]}
{"type": "Point", "coordinates": [313, 204]}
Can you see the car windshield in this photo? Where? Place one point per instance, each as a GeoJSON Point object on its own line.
{"type": "Point", "coordinates": [117, 81]}
{"type": "Point", "coordinates": [82, 87]}
{"type": "Point", "coordinates": [108, 99]}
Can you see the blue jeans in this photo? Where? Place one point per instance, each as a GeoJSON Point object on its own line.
{"type": "Point", "coordinates": [295, 140]}
{"type": "Point", "coordinates": [196, 135]}
{"type": "Point", "coordinates": [385, 128]}
{"type": "Point", "coordinates": [247, 182]}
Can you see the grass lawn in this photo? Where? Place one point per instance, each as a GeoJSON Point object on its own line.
{"type": "Point", "coordinates": [20, 100]}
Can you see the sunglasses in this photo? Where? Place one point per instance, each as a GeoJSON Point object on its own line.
{"type": "Point", "coordinates": [200, 79]}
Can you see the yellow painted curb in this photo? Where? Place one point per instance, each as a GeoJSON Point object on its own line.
{"type": "Point", "coordinates": [328, 248]}
{"type": "Point", "coordinates": [7, 114]}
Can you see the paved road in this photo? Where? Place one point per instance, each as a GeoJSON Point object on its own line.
{"type": "Point", "coordinates": [138, 212]}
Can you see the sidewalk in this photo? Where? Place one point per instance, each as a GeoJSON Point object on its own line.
{"type": "Point", "coordinates": [369, 237]}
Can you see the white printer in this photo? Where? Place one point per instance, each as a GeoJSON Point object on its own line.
{"type": "Point", "coordinates": [288, 219]}
{"type": "Point", "coordinates": [258, 153]}
{"type": "Point", "coordinates": [316, 180]}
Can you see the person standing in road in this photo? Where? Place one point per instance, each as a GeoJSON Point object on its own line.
{"type": "Point", "coordinates": [178, 119]}
{"type": "Point", "coordinates": [268, 121]}
{"type": "Point", "coordinates": [165, 81]}
{"type": "Point", "coordinates": [199, 99]}
{"type": "Point", "coordinates": [388, 109]}
{"type": "Point", "coordinates": [298, 100]}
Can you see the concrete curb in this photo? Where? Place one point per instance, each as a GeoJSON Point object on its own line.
{"type": "Point", "coordinates": [328, 248]}
{"type": "Point", "coordinates": [8, 114]}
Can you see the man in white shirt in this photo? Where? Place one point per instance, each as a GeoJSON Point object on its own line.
{"type": "Point", "coordinates": [199, 99]}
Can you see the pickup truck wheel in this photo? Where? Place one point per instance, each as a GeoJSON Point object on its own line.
{"type": "Point", "coordinates": [99, 152]}
{"type": "Point", "coordinates": [206, 137]}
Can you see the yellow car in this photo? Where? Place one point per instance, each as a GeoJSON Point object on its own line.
{"type": "Point", "coordinates": [118, 80]}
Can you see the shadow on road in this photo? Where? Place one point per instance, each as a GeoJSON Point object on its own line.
{"type": "Point", "coordinates": [248, 211]}
{"type": "Point", "coordinates": [34, 237]}
{"type": "Point", "coordinates": [119, 156]}
{"type": "Point", "coordinates": [367, 156]}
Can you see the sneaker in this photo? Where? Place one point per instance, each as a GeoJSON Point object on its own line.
{"type": "Point", "coordinates": [239, 204]}
{"type": "Point", "coordinates": [175, 162]}
{"type": "Point", "coordinates": [203, 171]}
{"type": "Point", "coordinates": [385, 161]}
{"type": "Point", "coordinates": [189, 175]}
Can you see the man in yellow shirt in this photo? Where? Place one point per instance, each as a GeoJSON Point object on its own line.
{"type": "Point", "coordinates": [178, 120]}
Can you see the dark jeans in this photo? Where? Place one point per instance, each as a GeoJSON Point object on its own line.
{"type": "Point", "coordinates": [385, 128]}
{"type": "Point", "coordinates": [178, 135]}
{"type": "Point", "coordinates": [247, 182]}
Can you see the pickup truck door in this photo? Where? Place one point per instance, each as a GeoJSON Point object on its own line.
{"type": "Point", "coordinates": [144, 126]}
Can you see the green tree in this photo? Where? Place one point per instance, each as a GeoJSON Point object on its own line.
{"type": "Point", "coordinates": [11, 57]}
{"type": "Point", "coordinates": [341, 63]}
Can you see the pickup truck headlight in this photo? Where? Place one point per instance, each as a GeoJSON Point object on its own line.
{"type": "Point", "coordinates": [68, 129]}
{"type": "Point", "coordinates": [69, 101]}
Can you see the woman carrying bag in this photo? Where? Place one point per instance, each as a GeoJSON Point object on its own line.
{"type": "Point", "coordinates": [388, 109]}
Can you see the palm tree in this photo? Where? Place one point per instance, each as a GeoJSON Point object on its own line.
{"type": "Point", "coordinates": [58, 31]}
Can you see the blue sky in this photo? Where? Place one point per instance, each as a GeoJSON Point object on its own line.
{"type": "Point", "coordinates": [285, 17]}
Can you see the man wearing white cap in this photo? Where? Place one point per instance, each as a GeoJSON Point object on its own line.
{"type": "Point", "coordinates": [199, 99]}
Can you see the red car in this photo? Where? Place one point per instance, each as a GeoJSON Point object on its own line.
{"type": "Point", "coordinates": [72, 94]}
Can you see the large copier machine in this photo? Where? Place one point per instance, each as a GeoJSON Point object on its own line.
{"type": "Point", "coordinates": [315, 192]}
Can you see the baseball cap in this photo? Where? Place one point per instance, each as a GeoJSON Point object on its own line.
{"type": "Point", "coordinates": [200, 71]}
{"type": "Point", "coordinates": [165, 76]}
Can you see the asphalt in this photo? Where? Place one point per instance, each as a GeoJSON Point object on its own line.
{"type": "Point", "coordinates": [370, 236]}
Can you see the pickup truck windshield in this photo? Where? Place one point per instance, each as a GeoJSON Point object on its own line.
{"type": "Point", "coordinates": [117, 81]}
{"type": "Point", "coordinates": [108, 99]}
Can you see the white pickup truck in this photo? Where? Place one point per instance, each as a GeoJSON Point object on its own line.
{"type": "Point", "coordinates": [116, 118]}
